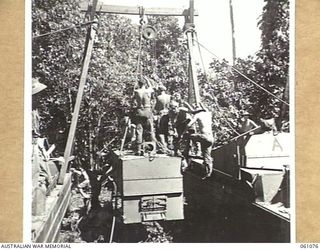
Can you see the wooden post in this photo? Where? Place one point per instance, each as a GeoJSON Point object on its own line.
{"type": "Point", "coordinates": [232, 33]}
{"type": "Point", "coordinates": [83, 78]}
{"type": "Point", "coordinates": [233, 41]}
{"type": "Point", "coordinates": [193, 72]}
{"type": "Point", "coordinates": [193, 84]}
{"type": "Point", "coordinates": [191, 11]}
{"type": "Point", "coordinates": [191, 94]}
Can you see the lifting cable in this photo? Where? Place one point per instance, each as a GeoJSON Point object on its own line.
{"type": "Point", "coordinates": [155, 69]}
{"type": "Point", "coordinates": [139, 67]}
{"type": "Point", "coordinates": [250, 80]}
{"type": "Point", "coordinates": [68, 28]}
{"type": "Point", "coordinates": [214, 100]}
{"type": "Point", "coordinates": [64, 29]}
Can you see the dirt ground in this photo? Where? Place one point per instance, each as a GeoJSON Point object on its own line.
{"type": "Point", "coordinates": [204, 221]}
{"type": "Point", "coordinates": [83, 224]}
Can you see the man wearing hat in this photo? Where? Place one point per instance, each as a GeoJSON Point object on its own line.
{"type": "Point", "coordinates": [40, 176]}
{"type": "Point", "coordinates": [246, 124]}
{"type": "Point", "coordinates": [178, 120]}
{"type": "Point", "coordinates": [203, 117]}
{"type": "Point", "coordinates": [36, 88]}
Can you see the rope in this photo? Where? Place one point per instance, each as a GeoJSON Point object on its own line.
{"type": "Point", "coordinates": [139, 56]}
{"type": "Point", "coordinates": [139, 68]}
{"type": "Point", "coordinates": [213, 99]}
{"type": "Point", "coordinates": [245, 133]}
{"type": "Point", "coordinates": [63, 30]}
{"type": "Point", "coordinates": [250, 80]}
{"type": "Point", "coordinates": [155, 57]}
{"type": "Point", "coordinates": [201, 58]}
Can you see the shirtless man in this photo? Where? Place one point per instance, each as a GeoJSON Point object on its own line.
{"type": "Point", "coordinates": [203, 118]}
{"type": "Point", "coordinates": [143, 117]}
{"type": "Point", "coordinates": [162, 108]}
{"type": "Point", "coordinates": [246, 125]}
{"type": "Point", "coordinates": [269, 124]}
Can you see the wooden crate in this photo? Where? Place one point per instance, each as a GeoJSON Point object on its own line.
{"type": "Point", "coordinates": [155, 181]}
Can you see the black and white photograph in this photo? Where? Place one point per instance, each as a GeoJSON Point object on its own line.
{"type": "Point", "coordinates": [160, 122]}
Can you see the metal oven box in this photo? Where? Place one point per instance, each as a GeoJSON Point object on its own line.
{"type": "Point", "coordinates": [149, 188]}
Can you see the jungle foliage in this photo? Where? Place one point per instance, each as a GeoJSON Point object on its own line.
{"type": "Point", "coordinates": [57, 60]}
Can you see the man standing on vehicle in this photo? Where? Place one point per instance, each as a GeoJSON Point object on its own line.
{"type": "Point", "coordinates": [178, 120]}
{"type": "Point", "coordinates": [143, 117]}
{"type": "Point", "coordinates": [162, 109]}
{"type": "Point", "coordinates": [246, 125]}
{"type": "Point", "coordinates": [203, 118]}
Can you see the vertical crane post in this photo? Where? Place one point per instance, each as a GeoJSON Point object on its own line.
{"type": "Point", "coordinates": [84, 72]}
{"type": "Point", "coordinates": [194, 94]}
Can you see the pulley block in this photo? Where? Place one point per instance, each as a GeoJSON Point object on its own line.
{"type": "Point", "coordinates": [148, 32]}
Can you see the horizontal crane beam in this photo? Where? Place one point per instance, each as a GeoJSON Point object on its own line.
{"type": "Point", "coordinates": [135, 10]}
